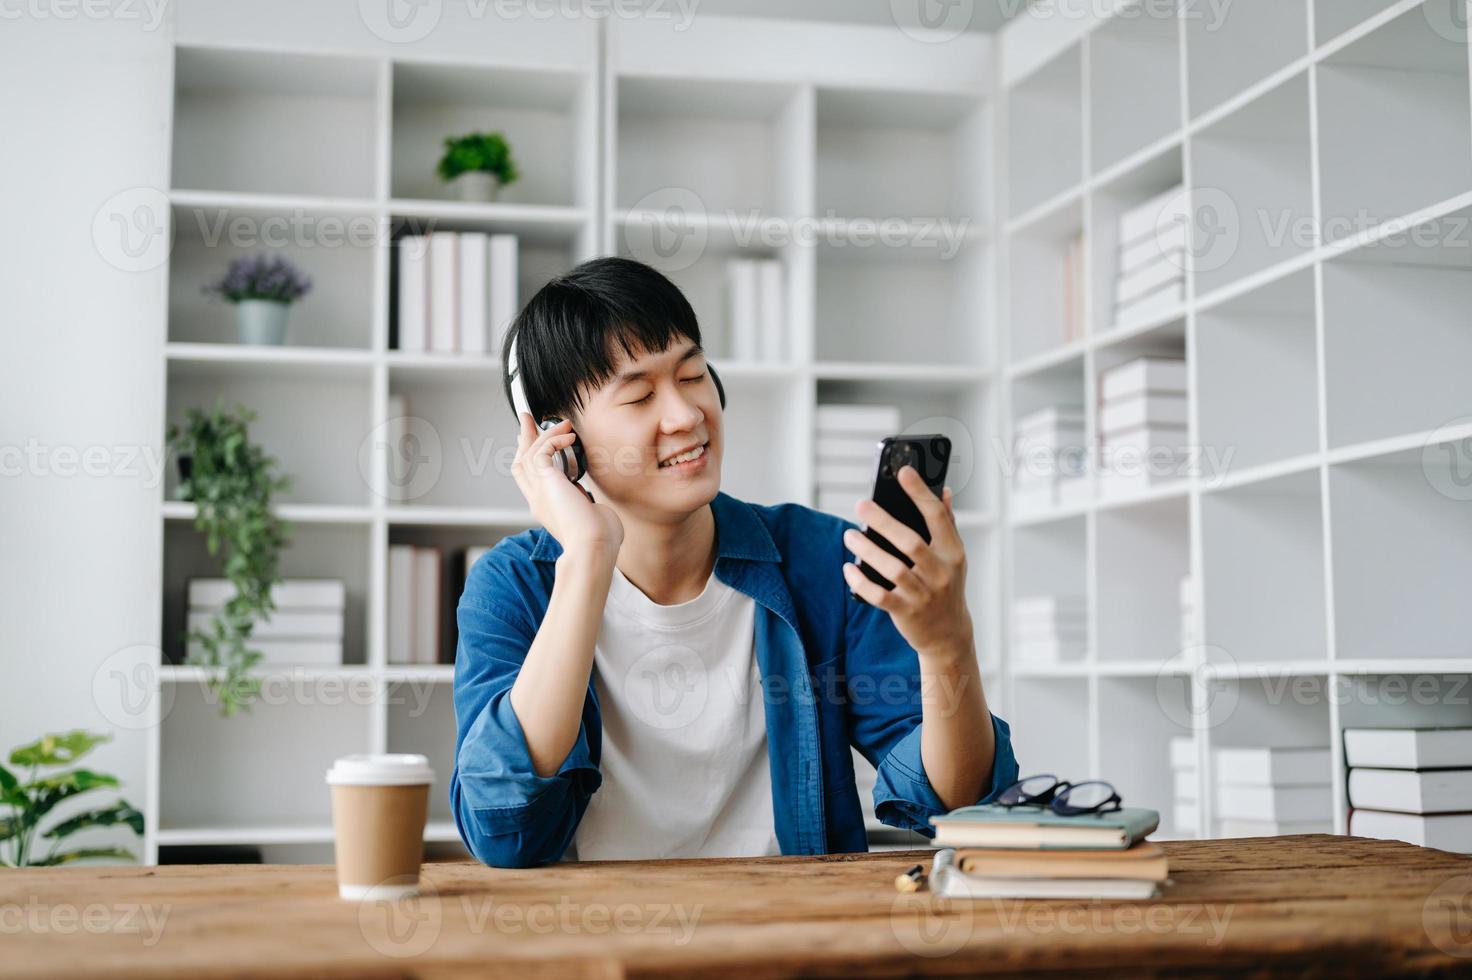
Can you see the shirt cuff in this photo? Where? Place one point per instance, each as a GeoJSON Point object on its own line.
{"type": "Point", "coordinates": [903, 796]}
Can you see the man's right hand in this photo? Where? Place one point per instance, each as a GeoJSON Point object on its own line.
{"type": "Point", "coordinates": [564, 508]}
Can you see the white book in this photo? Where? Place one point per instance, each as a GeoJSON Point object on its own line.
{"type": "Point", "coordinates": [474, 313]}
{"type": "Point", "coordinates": [1152, 248]}
{"type": "Point", "coordinates": [292, 593]}
{"type": "Point", "coordinates": [1182, 752]}
{"type": "Point", "coordinates": [426, 605]}
{"type": "Point", "coordinates": [1445, 831]}
{"type": "Point", "coordinates": [845, 474]}
{"type": "Point", "coordinates": [1275, 802]}
{"type": "Point", "coordinates": [743, 303]}
{"type": "Point", "coordinates": [1187, 784]}
{"type": "Point", "coordinates": [835, 419]}
{"type": "Point", "coordinates": [444, 292]}
{"type": "Point", "coordinates": [1166, 300]}
{"type": "Point", "coordinates": [772, 311]}
{"type": "Point", "coordinates": [504, 291]}
{"type": "Point", "coordinates": [1145, 220]}
{"type": "Point", "coordinates": [1049, 606]}
{"type": "Point", "coordinates": [1050, 418]}
{"type": "Point", "coordinates": [1408, 748]}
{"type": "Point", "coordinates": [1165, 271]}
{"type": "Point", "coordinates": [290, 653]}
{"type": "Point", "coordinates": [958, 885]}
{"type": "Point", "coordinates": [1140, 411]}
{"type": "Point", "coordinates": [283, 624]}
{"type": "Point", "coordinates": [414, 293]}
{"type": "Point", "coordinates": [1236, 827]}
{"type": "Point", "coordinates": [1144, 375]}
{"type": "Point", "coordinates": [1271, 766]}
{"type": "Point", "coordinates": [847, 448]}
{"type": "Point", "coordinates": [1410, 790]}
{"type": "Point", "coordinates": [401, 604]}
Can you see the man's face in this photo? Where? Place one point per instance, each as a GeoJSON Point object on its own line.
{"type": "Point", "coordinates": [655, 408]}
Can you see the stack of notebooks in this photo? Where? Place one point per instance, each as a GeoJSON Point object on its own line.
{"type": "Point", "coordinates": [1143, 417]}
{"type": "Point", "coordinates": [755, 301]}
{"type": "Point", "coordinates": [305, 630]}
{"type": "Point", "coordinates": [848, 438]}
{"type": "Point", "coordinates": [1265, 792]}
{"type": "Point", "coordinates": [1411, 784]}
{"type": "Point", "coordinates": [1151, 282]}
{"type": "Point", "coordinates": [1032, 852]}
{"type": "Point", "coordinates": [1049, 629]}
{"type": "Point", "coordinates": [1048, 460]}
{"type": "Point", "coordinates": [457, 291]}
{"type": "Point", "coordinates": [1186, 778]}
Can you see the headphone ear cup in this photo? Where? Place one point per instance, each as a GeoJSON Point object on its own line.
{"type": "Point", "coordinates": [720, 388]}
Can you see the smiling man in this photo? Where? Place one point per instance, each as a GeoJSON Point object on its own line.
{"type": "Point", "coordinates": [663, 670]}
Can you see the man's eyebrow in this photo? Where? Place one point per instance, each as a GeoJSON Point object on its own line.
{"type": "Point", "coordinates": [694, 351]}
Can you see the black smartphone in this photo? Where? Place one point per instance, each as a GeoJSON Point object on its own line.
{"type": "Point", "coordinates": [931, 456]}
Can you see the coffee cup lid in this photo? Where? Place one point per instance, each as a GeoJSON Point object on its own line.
{"type": "Point", "coordinates": [383, 769]}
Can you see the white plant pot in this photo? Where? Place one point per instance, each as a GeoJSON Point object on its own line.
{"type": "Point", "coordinates": [261, 322]}
{"type": "Point", "coordinates": [477, 186]}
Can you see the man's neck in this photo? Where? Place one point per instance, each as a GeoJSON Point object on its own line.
{"type": "Point", "coordinates": [670, 563]}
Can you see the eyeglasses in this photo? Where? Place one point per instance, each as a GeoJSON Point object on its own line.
{"type": "Point", "coordinates": [1062, 797]}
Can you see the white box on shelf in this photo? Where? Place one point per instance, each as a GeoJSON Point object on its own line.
{"type": "Point", "coordinates": [474, 309]}
{"type": "Point", "coordinates": [414, 293]}
{"type": "Point", "coordinates": [444, 292]}
{"type": "Point", "coordinates": [1274, 802]}
{"type": "Point", "coordinates": [1273, 766]}
{"type": "Point", "coordinates": [1408, 748]}
{"type": "Point", "coordinates": [504, 298]}
{"type": "Point", "coordinates": [1410, 790]}
{"type": "Point", "coordinates": [292, 593]}
{"type": "Point", "coordinates": [1145, 220]}
{"type": "Point", "coordinates": [1142, 411]}
{"type": "Point", "coordinates": [401, 601]}
{"type": "Point", "coordinates": [1144, 375]}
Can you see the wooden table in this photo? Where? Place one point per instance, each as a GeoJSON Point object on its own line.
{"type": "Point", "coordinates": [1313, 905]}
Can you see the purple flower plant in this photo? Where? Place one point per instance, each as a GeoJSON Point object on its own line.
{"type": "Point", "coordinates": [269, 277]}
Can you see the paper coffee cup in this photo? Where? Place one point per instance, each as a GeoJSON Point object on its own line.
{"type": "Point", "coordinates": [379, 807]}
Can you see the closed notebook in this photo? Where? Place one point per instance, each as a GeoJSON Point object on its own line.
{"type": "Point", "coordinates": [949, 881]}
{"type": "Point", "coordinates": [989, 825]}
{"type": "Point", "coordinates": [1145, 861]}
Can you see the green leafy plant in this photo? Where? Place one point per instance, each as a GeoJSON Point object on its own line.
{"type": "Point", "coordinates": [478, 151]}
{"type": "Point", "coordinates": [33, 799]}
{"type": "Point", "coordinates": [231, 482]}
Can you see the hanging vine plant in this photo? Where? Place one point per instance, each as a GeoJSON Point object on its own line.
{"type": "Point", "coordinates": [231, 482]}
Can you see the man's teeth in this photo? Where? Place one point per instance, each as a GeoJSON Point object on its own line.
{"type": "Point", "coordinates": [695, 453]}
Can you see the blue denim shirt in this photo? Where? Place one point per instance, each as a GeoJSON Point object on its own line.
{"type": "Point", "coordinates": [835, 672]}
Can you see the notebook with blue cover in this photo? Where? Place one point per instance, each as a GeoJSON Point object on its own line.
{"type": "Point", "coordinates": [988, 825]}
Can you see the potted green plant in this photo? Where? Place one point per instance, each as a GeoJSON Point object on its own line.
{"type": "Point", "coordinates": [232, 482]}
{"type": "Point", "coordinates": [478, 164]}
{"type": "Point", "coordinates": [262, 287]}
{"type": "Point", "coordinates": [31, 800]}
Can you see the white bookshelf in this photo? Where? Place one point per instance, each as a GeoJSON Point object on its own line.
{"type": "Point", "coordinates": [1329, 554]}
{"type": "Point", "coordinates": [602, 128]}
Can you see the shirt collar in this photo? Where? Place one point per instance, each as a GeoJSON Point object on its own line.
{"type": "Point", "coordinates": [740, 534]}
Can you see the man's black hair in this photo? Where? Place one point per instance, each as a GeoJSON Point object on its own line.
{"type": "Point", "coordinates": [565, 335]}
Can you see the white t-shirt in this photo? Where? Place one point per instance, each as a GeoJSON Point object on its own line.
{"type": "Point", "coordinates": [684, 764]}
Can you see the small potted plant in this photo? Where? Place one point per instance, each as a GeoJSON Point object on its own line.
{"type": "Point", "coordinates": [29, 796]}
{"type": "Point", "coordinates": [478, 164]}
{"type": "Point", "coordinates": [262, 287]}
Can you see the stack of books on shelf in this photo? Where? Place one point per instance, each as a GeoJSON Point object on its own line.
{"type": "Point", "coordinates": [1186, 779]}
{"type": "Point", "coordinates": [847, 448]}
{"type": "Point", "coordinates": [1048, 460]}
{"type": "Point", "coordinates": [305, 630]}
{"type": "Point", "coordinates": [1073, 289]}
{"type": "Point", "coordinates": [1049, 629]}
{"type": "Point", "coordinates": [756, 310]}
{"type": "Point", "coordinates": [1151, 281]}
{"type": "Point", "coordinates": [990, 851]}
{"type": "Point", "coordinates": [1143, 417]}
{"type": "Point", "coordinates": [1270, 791]}
{"type": "Point", "coordinates": [1411, 784]}
{"type": "Point", "coordinates": [457, 291]}
{"type": "Point", "coordinates": [414, 604]}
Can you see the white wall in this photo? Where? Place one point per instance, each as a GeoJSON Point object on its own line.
{"type": "Point", "coordinates": [83, 117]}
